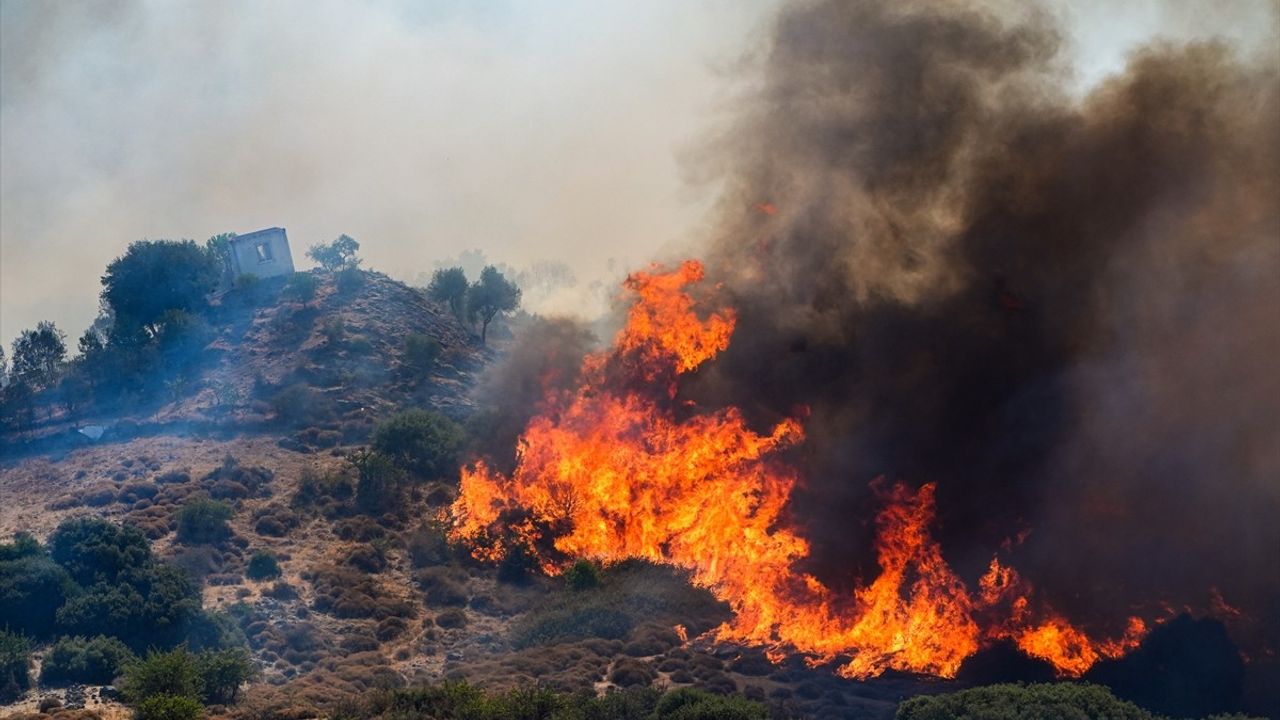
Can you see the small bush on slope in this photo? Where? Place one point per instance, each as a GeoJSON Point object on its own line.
{"type": "Point", "coordinates": [1046, 701]}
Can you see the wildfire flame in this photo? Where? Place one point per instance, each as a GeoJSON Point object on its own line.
{"type": "Point", "coordinates": [610, 473]}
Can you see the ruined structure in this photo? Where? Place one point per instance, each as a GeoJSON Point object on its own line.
{"type": "Point", "coordinates": [264, 253]}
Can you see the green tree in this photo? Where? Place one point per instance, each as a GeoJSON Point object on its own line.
{"type": "Point", "coordinates": [154, 277]}
{"type": "Point", "coordinates": [219, 248]}
{"type": "Point", "coordinates": [337, 255]}
{"type": "Point", "coordinates": [94, 550]}
{"type": "Point", "coordinates": [176, 672]}
{"type": "Point", "coordinates": [222, 672]}
{"type": "Point", "coordinates": [423, 442]}
{"type": "Point", "coordinates": [37, 354]}
{"type": "Point", "coordinates": [490, 296]}
{"type": "Point", "coordinates": [15, 666]}
{"type": "Point", "coordinates": [449, 286]}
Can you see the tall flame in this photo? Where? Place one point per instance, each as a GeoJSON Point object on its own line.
{"type": "Point", "coordinates": [610, 473]}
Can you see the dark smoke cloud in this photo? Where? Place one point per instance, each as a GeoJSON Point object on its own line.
{"type": "Point", "coordinates": [1062, 310]}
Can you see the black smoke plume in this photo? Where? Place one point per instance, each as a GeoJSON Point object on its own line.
{"type": "Point", "coordinates": [1064, 311]}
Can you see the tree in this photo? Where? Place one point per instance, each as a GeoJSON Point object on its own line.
{"type": "Point", "coordinates": [489, 296]}
{"type": "Point", "coordinates": [38, 353]}
{"type": "Point", "coordinates": [449, 286]}
{"type": "Point", "coordinates": [15, 663]}
{"type": "Point", "coordinates": [219, 248]}
{"type": "Point", "coordinates": [4, 367]}
{"type": "Point", "coordinates": [154, 277]}
{"type": "Point", "coordinates": [90, 343]}
{"type": "Point", "coordinates": [337, 255]}
{"type": "Point", "coordinates": [379, 482]}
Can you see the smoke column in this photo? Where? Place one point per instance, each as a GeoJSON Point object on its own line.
{"type": "Point", "coordinates": [1062, 310]}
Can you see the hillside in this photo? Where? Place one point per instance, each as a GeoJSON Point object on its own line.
{"type": "Point", "coordinates": [366, 600]}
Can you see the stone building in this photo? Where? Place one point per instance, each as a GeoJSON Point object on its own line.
{"type": "Point", "coordinates": [264, 253]}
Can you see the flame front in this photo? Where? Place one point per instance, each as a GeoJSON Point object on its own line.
{"type": "Point", "coordinates": [610, 473]}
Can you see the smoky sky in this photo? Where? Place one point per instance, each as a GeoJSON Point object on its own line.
{"type": "Point", "coordinates": [544, 131]}
{"type": "Point", "coordinates": [1059, 306]}
{"type": "Point", "coordinates": [561, 131]}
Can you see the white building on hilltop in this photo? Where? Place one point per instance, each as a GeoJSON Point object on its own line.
{"type": "Point", "coordinates": [264, 253]}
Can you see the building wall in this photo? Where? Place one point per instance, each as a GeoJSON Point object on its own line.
{"type": "Point", "coordinates": [264, 253]}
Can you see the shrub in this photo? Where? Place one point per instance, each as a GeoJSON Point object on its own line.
{"type": "Point", "coordinates": [175, 672]}
{"type": "Point", "coordinates": [420, 353]}
{"type": "Point", "coordinates": [202, 520]}
{"type": "Point", "coordinates": [249, 289]}
{"type": "Point", "coordinates": [262, 566]}
{"type": "Point", "coordinates": [95, 661]}
{"type": "Point", "coordinates": [428, 545]}
{"type": "Point", "coordinates": [423, 442]}
{"type": "Point", "coordinates": [15, 664]}
{"type": "Point", "coordinates": [301, 287]}
{"type": "Point", "coordinates": [582, 575]}
{"type": "Point", "coordinates": [379, 484]}
{"type": "Point", "coordinates": [1023, 702]}
{"type": "Point", "coordinates": [350, 280]}
{"type": "Point", "coordinates": [315, 488]}
{"type": "Point", "coordinates": [298, 404]}
{"type": "Point", "coordinates": [93, 549]}
{"type": "Point", "coordinates": [169, 707]}
{"type": "Point", "coordinates": [693, 704]}
{"type": "Point", "coordinates": [156, 607]}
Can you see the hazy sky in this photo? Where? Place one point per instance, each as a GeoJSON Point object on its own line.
{"type": "Point", "coordinates": [532, 130]}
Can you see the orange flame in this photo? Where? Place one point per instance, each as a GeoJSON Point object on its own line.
{"type": "Point", "coordinates": [610, 473]}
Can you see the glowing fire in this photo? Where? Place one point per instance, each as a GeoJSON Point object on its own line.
{"type": "Point", "coordinates": [610, 473]}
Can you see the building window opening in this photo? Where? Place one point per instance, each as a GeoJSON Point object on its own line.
{"type": "Point", "coordinates": [264, 253]}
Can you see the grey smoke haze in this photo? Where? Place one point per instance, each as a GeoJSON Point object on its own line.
{"type": "Point", "coordinates": [548, 130]}
{"type": "Point", "coordinates": [529, 130]}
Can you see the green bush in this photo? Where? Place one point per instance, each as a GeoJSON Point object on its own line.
{"type": "Point", "coordinates": [174, 673]}
{"type": "Point", "coordinates": [582, 575]}
{"type": "Point", "coordinates": [262, 566]}
{"type": "Point", "coordinates": [155, 605]}
{"type": "Point", "coordinates": [459, 701]}
{"type": "Point", "coordinates": [169, 707]}
{"type": "Point", "coordinates": [1046, 701]}
{"type": "Point", "coordinates": [420, 353]}
{"type": "Point", "coordinates": [203, 520]}
{"type": "Point", "coordinates": [301, 287]}
{"type": "Point", "coordinates": [422, 442]}
{"type": "Point", "coordinates": [95, 661]}
{"type": "Point", "coordinates": [15, 664]}
{"type": "Point", "coordinates": [95, 550]}
{"type": "Point", "coordinates": [693, 704]}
